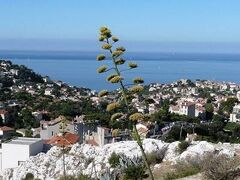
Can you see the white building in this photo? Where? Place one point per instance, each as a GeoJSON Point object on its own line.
{"type": "Point", "coordinates": [46, 79]}
{"type": "Point", "coordinates": [183, 108]}
{"type": "Point", "coordinates": [51, 128]}
{"type": "Point", "coordinates": [238, 95]}
{"type": "Point", "coordinates": [16, 151]}
{"type": "Point", "coordinates": [4, 115]}
{"type": "Point", "coordinates": [14, 71]}
{"type": "Point", "coordinates": [235, 116]}
{"type": "Point", "coordinates": [48, 92]}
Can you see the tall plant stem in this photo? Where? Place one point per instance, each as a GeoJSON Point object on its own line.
{"type": "Point", "coordinates": [138, 138]}
{"type": "Point", "coordinates": [64, 168]}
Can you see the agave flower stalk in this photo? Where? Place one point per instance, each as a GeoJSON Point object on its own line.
{"type": "Point", "coordinates": [63, 130]}
{"type": "Point", "coordinates": [118, 78]}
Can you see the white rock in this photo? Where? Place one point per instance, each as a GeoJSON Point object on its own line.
{"type": "Point", "coordinates": [91, 160]}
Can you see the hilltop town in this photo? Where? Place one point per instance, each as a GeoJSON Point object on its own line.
{"type": "Point", "coordinates": [33, 107]}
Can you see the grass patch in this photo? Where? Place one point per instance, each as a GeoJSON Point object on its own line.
{"type": "Point", "coordinates": [182, 170]}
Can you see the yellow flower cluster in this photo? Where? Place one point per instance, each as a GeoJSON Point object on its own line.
{"type": "Point", "coordinates": [136, 89]}
{"type": "Point", "coordinates": [116, 116]}
{"type": "Point", "coordinates": [112, 106]}
{"type": "Point", "coordinates": [105, 32]}
{"type": "Point", "coordinates": [121, 49]}
{"type": "Point", "coordinates": [117, 53]}
{"type": "Point", "coordinates": [120, 61]}
{"type": "Point", "coordinates": [136, 117]}
{"type": "Point", "coordinates": [102, 69]}
{"type": "Point", "coordinates": [116, 79]}
{"type": "Point", "coordinates": [138, 80]}
{"type": "Point", "coordinates": [115, 132]}
{"type": "Point", "coordinates": [132, 65]}
{"type": "Point", "coordinates": [103, 93]}
{"type": "Point", "coordinates": [115, 39]}
{"type": "Point", "coordinates": [106, 46]}
{"type": "Point", "coordinates": [100, 57]}
{"type": "Point", "coordinates": [111, 76]}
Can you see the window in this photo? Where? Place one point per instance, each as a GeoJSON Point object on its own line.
{"type": "Point", "coordinates": [20, 162]}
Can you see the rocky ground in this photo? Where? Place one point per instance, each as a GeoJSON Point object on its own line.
{"type": "Point", "coordinates": [91, 160]}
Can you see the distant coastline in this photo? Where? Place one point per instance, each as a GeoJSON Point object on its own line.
{"type": "Point", "coordinates": [79, 68]}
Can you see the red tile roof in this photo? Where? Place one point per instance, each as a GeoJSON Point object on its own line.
{"type": "Point", "coordinates": [2, 111]}
{"type": "Point", "coordinates": [6, 128]}
{"type": "Point", "coordinates": [67, 140]}
{"type": "Point", "coordinates": [92, 142]}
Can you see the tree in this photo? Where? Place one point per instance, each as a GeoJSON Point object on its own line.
{"type": "Point", "coordinates": [176, 133]}
{"type": "Point", "coordinates": [28, 120]}
{"type": "Point", "coordinates": [227, 106]}
{"type": "Point", "coordinates": [1, 121]}
{"type": "Point", "coordinates": [28, 133]}
{"type": "Point", "coordinates": [127, 90]}
{"type": "Point", "coordinates": [209, 111]}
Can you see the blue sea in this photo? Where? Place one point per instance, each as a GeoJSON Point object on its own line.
{"type": "Point", "coordinates": [79, 68]}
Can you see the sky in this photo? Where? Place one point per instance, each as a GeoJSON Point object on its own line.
{"type": "Point", "coordinates": [141, 25]}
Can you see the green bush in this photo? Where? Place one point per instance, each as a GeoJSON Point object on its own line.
{"type": "Point", "coordinates": [134, 172]}
{"type": "Point", "coordinates": [79, 177]}
{"type": "Point", "coordinates": [114, 160]}
{"type": "Point", "coordinates": [29, 176]}
{"type": "Point", "coordinates": [83, 177]}
{"type": "Point", "coordinates": [220, 167]}
{"type": "Point", "coordinates": [182, 146]}
{"type": "Point", "coordinates": [155, 157]}
{"type": "Point", "coordinates": [182, 170]}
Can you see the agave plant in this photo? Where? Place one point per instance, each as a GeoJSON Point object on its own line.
{"type": "Point", "coordinates": [116, 77]}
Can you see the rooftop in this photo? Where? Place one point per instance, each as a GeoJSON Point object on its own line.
{"type": "Point", "coordinates": [23, 141]}
{"type": "Point", "coordinates": [67, 140]}
{"type": "Point", "coordinates": [6, 128]}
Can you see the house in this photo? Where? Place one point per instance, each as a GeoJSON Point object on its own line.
{"type": "Point", "coordinates": [105, 135]}
{"type": "Point", "coordinates": [83, 129]}
{"type": "Point", "coordinates": [66, 140]}
{"type": "Point", "coordinates": [183, 108]}
{"type": "Point", "coordinates": [18, 150]}
{"type": "Point", "coordinates": [4, 115]}
{"type": "Point", "coordinates": [238, 95]}
{"type": "Point", "coordinates": [51, 128]}
{"type": "Point", "coordinates": [38, 115]}
{"type": "Point", "coordinates": [174, 109]}
{"type": "Point", "coordinates": [59, 83]}
{"type": "Point", "coordinates": [235, 115]}
{"type": "Point", "coordinates": [48, 92]}
{"type": "Point", "coordinates": [14, 71]}
{"type": "Point", "coordinates": [142, 130]}
{"type": "Point", "coordinates": [46, 79]}
{"type": "Point", "coordinates": [2, 105]}
{"type": "Point", "coordinates": [5, 132]}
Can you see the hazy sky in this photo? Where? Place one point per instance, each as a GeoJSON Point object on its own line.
{"type": "Point", "coordinates": [150, 25]}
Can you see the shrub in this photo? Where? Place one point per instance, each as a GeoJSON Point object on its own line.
{"type": "Point", "coordinates": [79, 177]}
{"type": "Point", "coordinates": [182, 146]}
{"type": "Point", "coordinates": [83, 177]}
{"type": "Point", "coordinates": [29, 176]}
{"type": "Point", "coordinates": [114, 160]}
{"type": "Point", "coordinates": [134, 172]}
{"type": "Point", "coordinates": [220, 167]}
{"type": "Point", "coordinates": [155, 157]}
{"type": "Point", "coordinates": [182, 170]}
